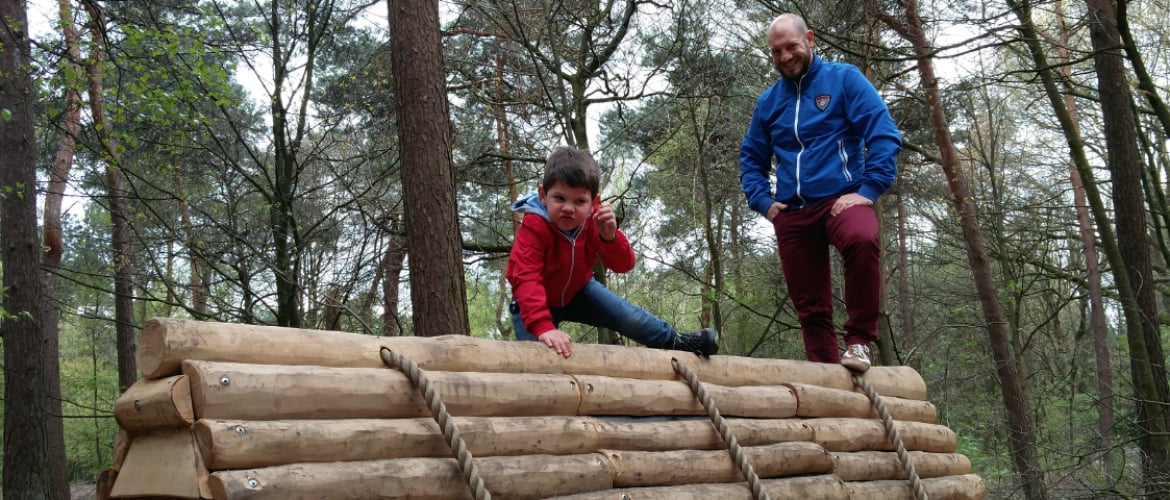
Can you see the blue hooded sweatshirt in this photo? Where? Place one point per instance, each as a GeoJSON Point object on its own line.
{"type": "Point", "coordinates": [830, 133]}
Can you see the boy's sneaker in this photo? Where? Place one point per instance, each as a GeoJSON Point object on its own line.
{"type": "Point", "coordinates": [856, 358]}
{"type": "Point", "coordinates": [705, 342]}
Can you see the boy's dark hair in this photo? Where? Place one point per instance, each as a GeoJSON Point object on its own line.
{"type": "Point", "coordinates": [574, 167]}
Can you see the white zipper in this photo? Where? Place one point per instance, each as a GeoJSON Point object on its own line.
{"type": "Point", "coordinates": [572, 261]}
{"type": "Point", "coordinates": [796, 132]}
{"type": "Point", "coordinates": [843, 154]}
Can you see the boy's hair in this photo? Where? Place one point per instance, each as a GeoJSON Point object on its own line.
{"type": "Point", "coordinates": [574, 167]}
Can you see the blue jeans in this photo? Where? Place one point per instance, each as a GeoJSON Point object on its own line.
{"type": "Point", "coordinates": [595, 305]}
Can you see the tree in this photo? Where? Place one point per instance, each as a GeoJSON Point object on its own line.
{"type": "Point", "coordinates": [54, 242]}
{"type": "Point", "coordinates": [1147, 361]}
{"type": "Point", "coordinates": [27, 474]}
{"type": "Point", "coordinates": [1021, 425]}
{"type": "Point", "coordinates": [110, 153]}
{"type": "Point", "coordinates": [434, 246]}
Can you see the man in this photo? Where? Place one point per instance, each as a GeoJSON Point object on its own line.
{"type": "Point", "coordinates": [836, 149]}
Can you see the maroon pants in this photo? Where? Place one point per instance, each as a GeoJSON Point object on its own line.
{"type": "Point", "coordinates": [803, 238]}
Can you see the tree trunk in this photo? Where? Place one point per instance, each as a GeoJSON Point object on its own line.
{"type": "Point", "coordinates": [1097, 321]}
{"type": "Point", "coordinates": [438, 296]}
{"type": "Point", "coordinates": [27, 472]}
{"type": "Point", "coordinates": [1147, 357]}
{"type": "Point", "coordinates": [713, 282]}
{"type": "Point", "coordinates": [285, 264]}
{"type": "Point", "coordinates": [1021, 427]}
{"type": "Point", "coordinates": [120, 232]}
{"type": "Point", "coordinates": [54, 244]}
{"type": "Point", "coordinates": [905, 298]}
{"type": "Point", "coordinates": [392, 274]}
{"type": "Point", "coordinates": [503, 142]}
{"type": "Point", "coordinates": [1145, 82]}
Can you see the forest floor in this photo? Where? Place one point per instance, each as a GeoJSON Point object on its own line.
{"type": "Point", "coordinates": [82, 491]}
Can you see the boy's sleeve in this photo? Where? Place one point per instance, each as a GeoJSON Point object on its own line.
{"type": "Point", "coordinates": [526, 275]}
{"type": "Point", "coordinates": [616, 255]}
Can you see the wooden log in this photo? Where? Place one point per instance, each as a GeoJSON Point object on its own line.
{"type": "Point", "coordinates": [698, 434]}
{"type": "Point", "coordinates": [881, 465]}
{"type": "Point", "coordinates": [152, 404]}
{"type": "Point", "coordinates": [276, 392]}
{"type": "Point", "coordinates": [520, 477]}
{"type": "Point", "coordinates": [165, 343]}
{"type": "Point", "coordinates": [825, 487]}
{"type": "Point", "coordinates": [847, 434]}
{"type": "Point", "coordinates": [163, 463]}
{"type": "Point", "coordinates": [121, 447]}
{"type": "Point", "coordinates": [237, 444]}
{"type": "Point", "coordinates": [965, 487]}
{"type": "Point", "coordinates": [222, 390]}
{"type": "Point", "coordinates": [242, 444]}
{"type": "Point", "coordinates": [815, 401]}
{"type": "Point", "coordinates": [627, 396]}
{"type": "Point", "coordinates": [897, 381]}
{"type": "Point", "coordinates": [665, 468]}
{"type": "Point", "coordinates": [105, 483]}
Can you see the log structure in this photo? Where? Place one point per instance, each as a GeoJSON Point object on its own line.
{"type": "Point", "coordinates": [226, 411]}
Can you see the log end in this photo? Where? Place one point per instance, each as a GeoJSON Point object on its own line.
{"type": "Point", "coordinates": [153, 352]}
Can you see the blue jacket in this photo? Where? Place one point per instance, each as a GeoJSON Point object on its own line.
{"type": "Point", "coordinates": [830, 133]}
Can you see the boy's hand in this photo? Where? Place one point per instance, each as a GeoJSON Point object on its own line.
{"type": "Point", "coordinates": [606, 222]}
{"type": "Point", "coordinates": [559, 341]}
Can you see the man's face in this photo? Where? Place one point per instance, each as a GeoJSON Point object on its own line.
{"type": "Point", "coordinates": [791, 49]}
{"type": "Point", "coordinates": [567, 206]}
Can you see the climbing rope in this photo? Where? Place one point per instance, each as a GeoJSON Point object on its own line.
{"type": "Point", "coordinates": [733, 446]}
{"type": "Point", "coordinates": [439, 412]}
{"type": "Point", "coordinates": [892, 433]}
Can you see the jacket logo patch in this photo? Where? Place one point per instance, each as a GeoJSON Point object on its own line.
{"type": "Point", "coordinates": [823, 101]}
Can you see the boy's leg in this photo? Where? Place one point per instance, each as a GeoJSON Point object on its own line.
{"type": "Point", "coordinates": [854, 233]}
{"type": "Point", "coordinates": [518, 329]}
{"type": "Point", "coordinates": [595, 305]}
{"type": "Point", "coordinates": [804, 257]}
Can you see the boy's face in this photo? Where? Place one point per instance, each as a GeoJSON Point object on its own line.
{"type": "Point", "coordinates": [568, 206]}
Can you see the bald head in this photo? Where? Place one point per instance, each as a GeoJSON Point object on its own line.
{"type": "Point", "coordinates": [789, 22]}
{"type": "Point", "coordinates": [791, 44]}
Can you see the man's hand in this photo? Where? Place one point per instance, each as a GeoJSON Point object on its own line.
{"type": "Point", "coordinates": [606, 223]}
{"type": "Point", "coordinates": [775, 210]}
{"type": "Point", "coordinates": [847, 201]}
{"type": "Point", "coordinates": [559, 341]}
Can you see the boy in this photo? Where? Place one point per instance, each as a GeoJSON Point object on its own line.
{"type": "Point", "coordinates": [564, 230]}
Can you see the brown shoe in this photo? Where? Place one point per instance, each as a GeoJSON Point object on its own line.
{"type": "Point", "coordinates": [856, 358]}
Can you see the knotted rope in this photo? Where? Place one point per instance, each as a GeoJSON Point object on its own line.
{"type": "Point", "coordinates": [892, 433]}
{"type": "Point", "coordinates": [439, 412]}
{"type": "Point", "coordinates": [733, 446]}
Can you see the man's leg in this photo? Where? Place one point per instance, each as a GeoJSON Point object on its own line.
{"type": "Point", "coordinates": [854, 233]}
{"type": "Point", "coordinates": [804, 257]}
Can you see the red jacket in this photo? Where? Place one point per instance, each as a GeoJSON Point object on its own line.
{"type": "Point", "coordinates": [547, 268]}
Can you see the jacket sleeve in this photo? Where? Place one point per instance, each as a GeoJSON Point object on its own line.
{"type": "Point", "coordinates": [872, 122]}
{"type": "Point", "coordinates": [616, 255]}
{"type": "Point", "coordinates": [755, 163]}
{"type": "Point", "coordinates": [526, 274]}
